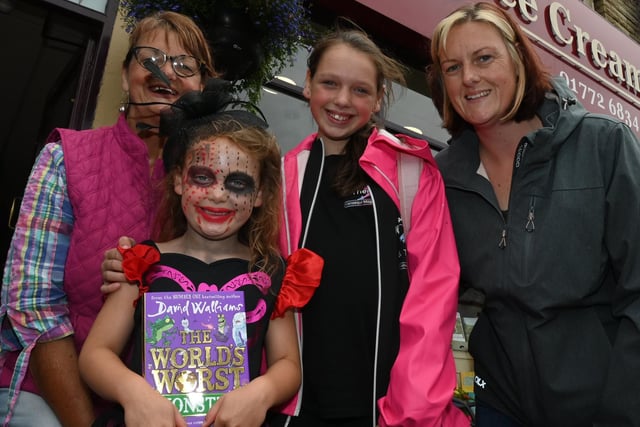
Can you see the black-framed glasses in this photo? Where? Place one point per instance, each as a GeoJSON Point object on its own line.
{"type": "Point", "coordinates": [183, 65]}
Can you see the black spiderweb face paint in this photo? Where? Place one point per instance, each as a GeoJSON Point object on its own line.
{"type": "Point", "coordinates": [219, 187]}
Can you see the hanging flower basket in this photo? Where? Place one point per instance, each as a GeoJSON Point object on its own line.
{"type": "Point", "coordinates": [234, 43]}
{"type": "Point", "coordinates": [251, 40]}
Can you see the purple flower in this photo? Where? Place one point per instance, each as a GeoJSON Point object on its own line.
{"type": "Point", "coordinates": [282, 26]}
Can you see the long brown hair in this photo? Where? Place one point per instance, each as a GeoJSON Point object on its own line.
{"type": "Point", "coordinates": [260, 232]}
{"type": "Point", "coordinates": [206, 115]}
{"type": "Point", "coordinates": [350, 177]}
{"type": "Point", "coordinates": [533, 79]}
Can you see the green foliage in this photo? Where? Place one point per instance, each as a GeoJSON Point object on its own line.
{"type": "Point", "coordinates": [280, 26]}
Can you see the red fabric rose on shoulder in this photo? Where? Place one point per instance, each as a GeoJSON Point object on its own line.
{"type": "Point", "coordinates": [300, 281]}
{"type": "Point", "coordinates": [136, 261]}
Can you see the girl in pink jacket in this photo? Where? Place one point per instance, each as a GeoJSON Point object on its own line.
{"type": "Point", "coordinates": [376, 336]}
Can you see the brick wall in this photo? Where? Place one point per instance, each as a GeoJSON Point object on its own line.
{"type": "Point", "coordinates": [624, 14]}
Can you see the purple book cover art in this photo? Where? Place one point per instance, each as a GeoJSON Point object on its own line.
{"type": "Point", "coordinates": [195, 347]}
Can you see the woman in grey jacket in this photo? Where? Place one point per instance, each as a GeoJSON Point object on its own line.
{"type": "Point", "coordinates": [545, 201]}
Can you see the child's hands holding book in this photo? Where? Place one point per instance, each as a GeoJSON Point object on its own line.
{"type": "Point", "coordinates": [242, 407]}
{"type": "Point", "coordinates": [147, 407]}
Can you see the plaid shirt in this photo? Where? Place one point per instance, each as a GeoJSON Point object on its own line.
{"type": "Point", "coordinates": [34, 304]}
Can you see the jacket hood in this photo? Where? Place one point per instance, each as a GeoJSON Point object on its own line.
{"type": "Point", "coordinates": [561, 112]}
{"type": "Point", "coordinates": [384, 147]}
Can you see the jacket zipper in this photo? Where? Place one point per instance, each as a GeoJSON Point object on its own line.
{"type": "Point", "coordinates": [503, 238]}
{"type": "Point", "coordinates": [301, 244]}
{"type": "Point", "coordinates": [520, 152]}
{"type": "Point", "coordinates": [303, 240]}
{"type": "Point", "coordinates": [378, 309]}
{"type": "Point", "coordinates": [529, 227]}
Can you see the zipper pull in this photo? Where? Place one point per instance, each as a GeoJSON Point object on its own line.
{"type": "Point", "coordinates": [530, 226]}
{"type": "Point", "coordinates": [503, 239]}
{"type": "Point", "coordinates": [567, 102]}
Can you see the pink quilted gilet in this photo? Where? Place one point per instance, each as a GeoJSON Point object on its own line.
{"type": "Point", "coordinates": [112, 194]}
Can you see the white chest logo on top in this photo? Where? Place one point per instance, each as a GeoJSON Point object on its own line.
{"type": "Point", "coordinates": [480, 382]}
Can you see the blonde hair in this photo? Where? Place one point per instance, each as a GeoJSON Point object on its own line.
{"type": "Point", "coordinates": [532, 80]}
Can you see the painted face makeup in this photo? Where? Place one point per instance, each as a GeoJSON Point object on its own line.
{"type": "Point", "coordinates": [219, 188]}
{"type": "Point", "coordinates": [238, 183]}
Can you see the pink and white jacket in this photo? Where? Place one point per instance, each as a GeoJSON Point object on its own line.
{"type": "Point", "coordinates": [423, 376]}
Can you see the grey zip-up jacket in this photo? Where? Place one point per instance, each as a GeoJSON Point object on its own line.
{"type": "Point", "coordinates": [558, 340]}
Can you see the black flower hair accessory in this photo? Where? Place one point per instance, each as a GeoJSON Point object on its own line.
{"type": "Point", "coordinates": [213, 107]}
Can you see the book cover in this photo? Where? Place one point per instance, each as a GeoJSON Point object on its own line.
{"type": "Point", "coordinates": [195, 348]}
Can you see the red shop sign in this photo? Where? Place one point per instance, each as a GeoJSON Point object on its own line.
{"type": "Point", "coordinates": [599, 62]}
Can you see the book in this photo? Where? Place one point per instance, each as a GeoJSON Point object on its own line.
{"type": "Point", "coordinates": [195, 348]}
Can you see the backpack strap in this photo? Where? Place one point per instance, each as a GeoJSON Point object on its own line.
{"type": "Point", "coordinates": [409, 170]}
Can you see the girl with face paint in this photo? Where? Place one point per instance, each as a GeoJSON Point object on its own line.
{"type": "Point", "coordinates": [218, 225]}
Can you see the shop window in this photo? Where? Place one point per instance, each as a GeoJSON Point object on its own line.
{"type": "Point", "coordinates": [289, 116]}
{"type": "Point", "coordinates": [97, 5]}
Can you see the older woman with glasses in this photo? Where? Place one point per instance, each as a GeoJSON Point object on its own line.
{"type": "Point", "coordinates": [86, 189]}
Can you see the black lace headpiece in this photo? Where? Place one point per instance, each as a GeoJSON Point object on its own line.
{"type": "Point", "coordinates": [214, 105]}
